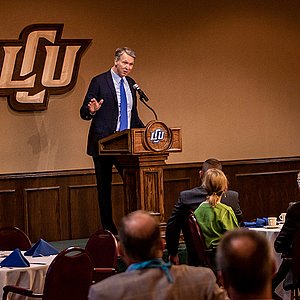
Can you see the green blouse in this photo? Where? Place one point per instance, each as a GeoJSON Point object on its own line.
{"type": "Point", "coordinates": [214, 222]}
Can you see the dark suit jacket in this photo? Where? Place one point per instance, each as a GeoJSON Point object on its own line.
{"type": "Point", "coordinates": [152, 284]}
{"type": "Point", "coordinates": [190, 200]}
{"type": "Point", "coordinates": [284, 240]}
{"type": "Point", "coordinates": [104, 122]}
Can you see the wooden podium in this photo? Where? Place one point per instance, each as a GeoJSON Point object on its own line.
{"type": "Point", "coordinates": [142, 154]}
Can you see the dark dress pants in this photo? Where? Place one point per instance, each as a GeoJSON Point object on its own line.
{"type": "Point", "coordinates": [103, 169]}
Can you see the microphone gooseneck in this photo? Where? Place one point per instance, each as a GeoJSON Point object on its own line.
{"type": "Point", "coordinates": [144, 98]}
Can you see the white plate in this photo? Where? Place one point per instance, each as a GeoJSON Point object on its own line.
{"type": "Point", "coordinates": [271, 226]}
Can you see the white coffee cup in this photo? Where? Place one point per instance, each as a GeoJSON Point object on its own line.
{"type": "Point", "coordinates": [272, 221]}
{"type": "Point", "coordinates": [282, 217]}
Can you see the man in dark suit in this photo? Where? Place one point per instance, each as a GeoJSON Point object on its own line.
{"type": "Point", "coordinates": [102, 105]}
{"type": "Point", "coordinates": [284, 241]}
{"type": "Point", "coordinates": [147, 275]}
{"type": "Point", "coordinates": [190, 200]}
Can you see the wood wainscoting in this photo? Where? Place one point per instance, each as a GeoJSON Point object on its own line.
{"type": "Point", "coordinates": [63, 205]}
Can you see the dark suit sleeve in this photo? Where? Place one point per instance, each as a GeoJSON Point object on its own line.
{"type": "Point", "coordinates": [92, 92]}
{"type": "Point", "coordinates": [174, 226]}
{"type": "Point", "coordinates": [231, 198]}
{"type": "Point", "coordinates": [104, 122]}
{"type": "Point", "coordinates": [135, 120]}
{"type": "Point", "coordinates": [188, 201]}
{"type": "Point", "coordinates": [284, 240]}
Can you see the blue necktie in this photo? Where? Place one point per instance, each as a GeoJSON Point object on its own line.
{"type": "Point", "coordinates": [123, 107]}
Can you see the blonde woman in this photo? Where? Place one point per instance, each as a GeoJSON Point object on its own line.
{"type": "Point", "coordinates": [214, 217]}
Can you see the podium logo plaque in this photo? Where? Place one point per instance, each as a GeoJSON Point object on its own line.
{"type": "Point", "coordinates": [158, 137]}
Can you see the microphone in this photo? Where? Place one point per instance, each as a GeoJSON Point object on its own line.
{"type": "Point", "coordinates": [141, 93]}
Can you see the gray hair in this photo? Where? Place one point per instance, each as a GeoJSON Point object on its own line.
{"type": "Point", "coordinates": [120, 51]}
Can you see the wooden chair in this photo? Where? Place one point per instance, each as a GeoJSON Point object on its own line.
{"type": "Point", "coordinates": [197, 252]}
{"type": "Point", "coordinates": [102, 247]}
{"type": "Point", "coordinates": [12, 238]}
{"type": "Point", "coordinates": [69, 276]}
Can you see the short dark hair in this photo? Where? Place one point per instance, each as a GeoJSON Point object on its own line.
{"type": "Point", "coordinates": [211, 163]}
{"type": "Point", "coordinates": [246, 269]}
{"type": "Point", "coordinates": [120, 51]}
{"type": "Point", "coordinates": [140, 244]}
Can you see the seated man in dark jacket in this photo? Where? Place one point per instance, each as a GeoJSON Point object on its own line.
{"type": "Point", "coordinates": [190, 200]}
{"type": "Point", "coordinates": [283, 242]}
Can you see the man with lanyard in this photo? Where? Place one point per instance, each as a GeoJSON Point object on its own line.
{"type": "Point", "coordinates": [147, 275]}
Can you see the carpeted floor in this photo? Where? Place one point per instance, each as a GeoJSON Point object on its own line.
{"type": "Point", "coordinates": [61, 245]}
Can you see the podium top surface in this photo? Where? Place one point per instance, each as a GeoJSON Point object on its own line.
{"type": "Point", "coordinates": [156, 137]}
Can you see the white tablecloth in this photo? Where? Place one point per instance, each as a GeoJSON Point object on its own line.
{"type": "Point", "coordinates": [271, 235]}
{"type": "Point", "coordinates": [32, 277]}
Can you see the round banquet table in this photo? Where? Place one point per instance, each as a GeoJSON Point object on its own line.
{"type": "Point", "coordinates": [32, 277]}
{"type": "Point", "coordinates": [271, 234]}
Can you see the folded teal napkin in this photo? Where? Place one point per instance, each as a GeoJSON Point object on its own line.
{"type": "Point", "coordinates": [15, 259]}
{"type": "Point", "coordinates": [41, 248]}
{"type": "Point", "coordinates": [259, 222]}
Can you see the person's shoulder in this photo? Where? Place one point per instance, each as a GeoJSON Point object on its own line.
{"type": "Point", "coordinates": [294, 209]}
{"type": "Point", "coordinates": [193, 272]}
{"type": "Point", "coordinates": [195, 194]}
{"type": "Point", "coordinates": [102, 75]}
{"type": "Point", "coordinates": [103, 288]}
{"type": "Point", "coordinates": [130, 80]}
{"type": "Point", "coordinates": [295, 205]}
{"type": "Point", "coordinates": [200, 280]}
{"type": "Point", "coordinates": [224, 205]}
{"type": "Point", "coordinates": [109, 281]}
{"type": "Point", "coordinates": [184, 267]}
{"type": "Point", "coordinates": [231, 194]}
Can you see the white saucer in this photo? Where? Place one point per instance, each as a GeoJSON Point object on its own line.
{"type": "Point", "coordinates": [271, 226]}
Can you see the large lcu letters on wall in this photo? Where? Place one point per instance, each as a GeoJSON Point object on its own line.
{"type": "Point", "coordinates": [40, 63]}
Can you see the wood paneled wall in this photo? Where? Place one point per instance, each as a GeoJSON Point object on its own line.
{"type": "Point", "coordinates": [63, 205]}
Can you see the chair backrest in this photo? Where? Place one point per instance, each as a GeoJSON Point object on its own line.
{"type": "Point", "coordinates": [12, 238]}
{"type": "Point", "coordinates": [198, 254]}
{"type": "Point", "coordinates": [69, 276]}
{"type": "Point", "coordinates": [102, 247]}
